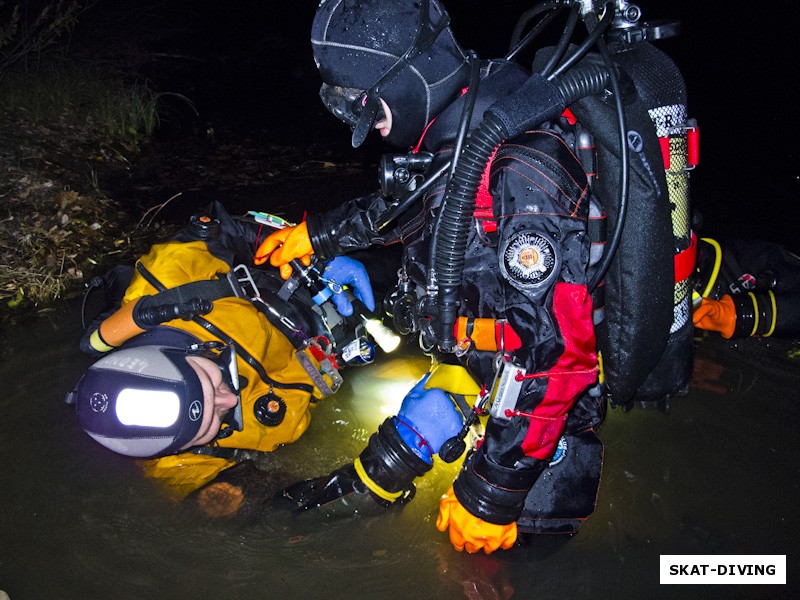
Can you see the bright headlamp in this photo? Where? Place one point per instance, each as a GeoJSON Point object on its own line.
{"type": "Point", "coordinates": [148, 408]}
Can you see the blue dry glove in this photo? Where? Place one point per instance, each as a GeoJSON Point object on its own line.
{"type": "Point", "coordinates": [342, 271]}
{"type": "Point", "coordinates": [427, 419]}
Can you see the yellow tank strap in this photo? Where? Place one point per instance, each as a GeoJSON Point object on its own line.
{"type": "Point", "coordinates": [374, 487]}
{"type": "Point", "coordinates": [454, 379]}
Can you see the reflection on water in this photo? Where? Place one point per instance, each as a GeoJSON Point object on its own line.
{"type": "Point", "coordinates": [717, 475]}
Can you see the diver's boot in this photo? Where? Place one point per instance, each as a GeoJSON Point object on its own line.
{"type": "Point", "coordinates": [382, 475]}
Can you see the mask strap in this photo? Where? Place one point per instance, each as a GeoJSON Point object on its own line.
{"type": "Point", "coordinates": [426, 35]}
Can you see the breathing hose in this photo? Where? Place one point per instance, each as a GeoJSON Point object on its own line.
{"type": "Point", "coordinates": [466, 117]}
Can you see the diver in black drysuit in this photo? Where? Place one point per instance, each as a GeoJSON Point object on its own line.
{"type": "Point", "coordinates": [747, 288]}
{"type": "Point", "coordinates": [524, 304]}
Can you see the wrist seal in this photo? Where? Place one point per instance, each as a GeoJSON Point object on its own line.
{"type": "Point", "coordinates": [492, 492]}
{"type": "Point", "coordinates": [389, 463]}
{"type": "Point", "coordinates": [756, 313]}
{"type": "Point", "coordinates": [321, 241]}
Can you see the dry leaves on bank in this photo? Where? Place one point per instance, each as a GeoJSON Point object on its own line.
{"type": "Point", "coordinates": [48, 236]}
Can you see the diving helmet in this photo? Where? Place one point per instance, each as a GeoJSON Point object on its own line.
{"type": "Point", "coordinates": [147, 400]}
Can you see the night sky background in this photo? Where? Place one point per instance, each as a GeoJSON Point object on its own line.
{"type": "Point", "coordinates": [247, 65]}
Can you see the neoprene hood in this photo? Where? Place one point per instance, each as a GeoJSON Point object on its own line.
{"type": "Point", "coordinates": [392, 50]}
{"type": "Point", "coordinates": [147, 400]}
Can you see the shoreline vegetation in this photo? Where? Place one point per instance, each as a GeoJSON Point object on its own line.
{"type": "Point", "coordinates": [64, 122]}
{"type": "Point", "coordinates": [92, 150]}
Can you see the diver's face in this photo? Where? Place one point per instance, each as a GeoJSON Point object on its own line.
{"type": "Point", "coordinates": [218, 399]}
{"type": "Point", "coordinates": [346, 104]}
{"type": "Point", "coordinates": [384, 121]}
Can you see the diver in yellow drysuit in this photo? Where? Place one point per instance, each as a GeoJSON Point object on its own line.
{"type": "Point", "coordinates": [191, 372]}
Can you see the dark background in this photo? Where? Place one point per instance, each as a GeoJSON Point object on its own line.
{"type": "Point", "coordinates": [247, 65]}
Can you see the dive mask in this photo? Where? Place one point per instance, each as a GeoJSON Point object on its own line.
{"type": "Point", "coordinates": [226, 361]}
{"type": "Point", "coordinates": [347, 104]}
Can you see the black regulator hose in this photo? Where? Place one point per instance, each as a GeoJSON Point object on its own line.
{"type": "Point", "coordinates": [584, 46]}
{"type": "Point", "coordinates": [563, 42]}
{"type": "Point", "coordinates": [469, 106]}
{"type": "Point", "coordinates": [536, 101]}
{"type": "Point", "coordinates": [516, 45]}
{"type": "Point", "coordinates": [95, 282]}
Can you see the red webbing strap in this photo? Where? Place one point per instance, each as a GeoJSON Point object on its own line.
{"type": "Point", "coordinates": [685, 260]}
{"type": "Point", "coordinates": [483, 199]}
{"type": "Point", "coordinates": [665, 151]}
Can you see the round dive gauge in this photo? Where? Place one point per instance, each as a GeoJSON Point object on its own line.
{"type": "Point", "coordinates": [528, 259]}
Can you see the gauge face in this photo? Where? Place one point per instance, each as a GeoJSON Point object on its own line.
{"type": "Point", "coordinates": [528, 259]}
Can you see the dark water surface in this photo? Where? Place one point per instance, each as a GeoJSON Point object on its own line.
{"type": "Point", "coordinates": [718, 474]}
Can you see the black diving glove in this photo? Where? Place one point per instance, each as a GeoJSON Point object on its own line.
{"type": "Point", "coordinates": [342, 487]}
{"type": "Point", "coordinates": [382, 476]}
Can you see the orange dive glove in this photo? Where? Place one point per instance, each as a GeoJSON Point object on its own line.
{"type": "Point", "coordinates": [283, 246]}
{"type": "Point", "coordinates": [716, 315]}
{"type": "Point", "coordinates": [470, 533]}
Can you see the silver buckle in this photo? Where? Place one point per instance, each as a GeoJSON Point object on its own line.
{"type": "Point", "coordinates": [245, 279]}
